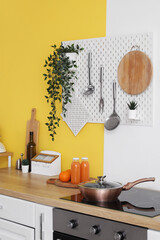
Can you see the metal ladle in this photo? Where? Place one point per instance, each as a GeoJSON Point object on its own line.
{"type": "Point", "coordinates": [113, 120]}
{"type": "Point", "coordinates": [90, 88]}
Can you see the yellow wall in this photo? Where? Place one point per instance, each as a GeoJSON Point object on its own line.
{"type": "Point", "coordinates": [28, 29]}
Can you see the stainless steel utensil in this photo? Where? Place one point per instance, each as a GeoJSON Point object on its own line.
{"type": "Point", "coordinates": [102, 191]}
{"type": "Point", "coordinates": [18, 164]}
{"type": "Point", "coordinates": [101, 101]}
{"type": "Point", "coordinates": [90, 89]}
{"type": "Point", "coordinates": [113, 120]}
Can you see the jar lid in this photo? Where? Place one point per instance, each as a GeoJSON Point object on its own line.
{"type": "Point", "coordinates": [84, 158]}
{"type": "Point", "coordinates": [76, 159]}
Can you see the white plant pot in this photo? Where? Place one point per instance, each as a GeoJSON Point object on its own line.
{"type": "Point", "coordinates": [25, 168]}
{"type": "Point", "coordinates": [132, 114]}
{"type": "Point", "coordinates": [72, 57]}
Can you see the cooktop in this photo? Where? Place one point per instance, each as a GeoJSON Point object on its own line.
{"type": "Point", "coordinates": [137, 201]}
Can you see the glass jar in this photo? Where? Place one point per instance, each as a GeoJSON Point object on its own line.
{"type": "Point", "coordinates": [75, 171]}
{"type": "Point", "coordinates": [84, 170]}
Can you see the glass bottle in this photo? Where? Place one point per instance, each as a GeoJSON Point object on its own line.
{"type": "Point", "coordinates": [75, 171]}
{"type": "Point", "coordinates": [84, 170]}
{"type": "Point", "coordinates": [31, 150]}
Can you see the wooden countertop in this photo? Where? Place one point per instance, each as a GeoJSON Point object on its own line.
{"type": "Point", "coordinates": [33, 187]}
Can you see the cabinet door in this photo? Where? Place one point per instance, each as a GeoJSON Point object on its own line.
{"type": "Point", "coordinates": [14, 231]}
{"type": "Point", "coordinates": [17, 210]}
{"type": "Point", "coordinates": [44, 222]}
{"type": "Point", "coordinates": [153, 235]}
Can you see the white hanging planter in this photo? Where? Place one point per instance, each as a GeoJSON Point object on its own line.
{"type": "Point", "coordinates": [72, 57]}
{"type": "Point", "coordinates": [132, 114]}
{"type": "Point", "coordinates": [25, 168]}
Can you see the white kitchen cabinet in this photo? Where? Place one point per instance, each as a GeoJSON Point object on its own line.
{"type": "Point", "coordinates": [44, 222]}
{"type": "Point", "coordinates": [36, 218]}
{"type": "Point", "coordinates": [17, 210]}
{"type": "Point", "coordinates": [153, 235]}
{"type": "Point", "coordinates": [14, 231]}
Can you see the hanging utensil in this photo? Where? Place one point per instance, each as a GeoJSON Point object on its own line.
{"type": "Point", "coordinates": [113, 120]}
{"type": "Point", "coordinates": [101, 102]}
{"type": "Point", "coordinates": [90, 88]}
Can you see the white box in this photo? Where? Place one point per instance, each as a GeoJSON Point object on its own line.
{"type": "Point", "coordinates": [48, 169]}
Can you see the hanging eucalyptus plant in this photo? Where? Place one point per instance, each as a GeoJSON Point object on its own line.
{"type": "Point", "coordinates": [60, 80]}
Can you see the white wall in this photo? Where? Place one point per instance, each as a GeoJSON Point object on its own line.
{"type": "Point", "coordinates": [134, 152]}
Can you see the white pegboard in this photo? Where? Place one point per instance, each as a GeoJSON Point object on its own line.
{"type": "Point", "coordinates": [108, 52]}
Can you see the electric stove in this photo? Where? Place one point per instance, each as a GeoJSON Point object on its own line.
{"type": "Point", "coordinates": [137, 201]}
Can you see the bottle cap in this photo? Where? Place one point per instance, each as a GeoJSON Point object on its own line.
{"type": "Point", "coordinates": [84, 158]}
{"type": "Point", "coordinates": [75, 159]}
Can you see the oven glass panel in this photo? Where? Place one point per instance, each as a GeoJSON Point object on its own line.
{"type": "Point", "coordinates": [61, 236]}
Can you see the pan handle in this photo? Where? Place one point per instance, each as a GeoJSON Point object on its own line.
{"type": "Point", "coordinates": [129, 185]}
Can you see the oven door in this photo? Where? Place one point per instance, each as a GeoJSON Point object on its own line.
{"type": "Point", "coordinates": [62, 236]}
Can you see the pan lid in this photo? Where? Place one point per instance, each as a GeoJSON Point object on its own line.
{"type": "Point", "coordinates": [100, 183]}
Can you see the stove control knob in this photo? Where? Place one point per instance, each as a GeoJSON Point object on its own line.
{"type": "Point", "coordinates": [119, 236]}
{"type": "Point", "coordinates": [95, 229]}
{"type": "Point", "coordinates": [72, 223]}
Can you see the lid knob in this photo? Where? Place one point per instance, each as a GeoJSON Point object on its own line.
{"type": "Point", "coordinates": [101, 179]}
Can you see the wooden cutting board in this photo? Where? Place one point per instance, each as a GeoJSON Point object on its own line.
{"type": "Point", "coordinates": [58, 183]}
{"type": "Point", "coordinates": [32, 126]}
{"type": "Point", "coordinates": [135, 72]}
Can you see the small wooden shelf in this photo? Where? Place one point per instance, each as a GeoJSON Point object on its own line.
{"type": "Point", "coordinates": [9, 155]}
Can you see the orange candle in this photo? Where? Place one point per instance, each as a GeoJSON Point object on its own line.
{"type": "Point", "coordinates": [84, 170]}
{"type": "Point", "coordinates": [75, 171]}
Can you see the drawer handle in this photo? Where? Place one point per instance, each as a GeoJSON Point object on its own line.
{"type": "Point", "coordinates": [1, 207]}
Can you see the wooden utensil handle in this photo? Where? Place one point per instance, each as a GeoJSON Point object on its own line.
{"type": "Point", "coordinates": [129, 185]}
{"type": "Point", "coordinates": [33, 114]}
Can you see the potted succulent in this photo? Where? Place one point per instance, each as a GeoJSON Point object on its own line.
{"type": "Point", "coordinates": [25, 165]}
{"type": "Point", "coordinates": [132, 111]}
{"type": "Point", "coordinates": [60, 75]}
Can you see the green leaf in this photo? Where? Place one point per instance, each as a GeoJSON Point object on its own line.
{"type": "Point", "coordinates": [60, 77]}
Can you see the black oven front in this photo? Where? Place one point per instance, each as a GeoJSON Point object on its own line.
{"type": "Point", "coordinates": [70, 225]}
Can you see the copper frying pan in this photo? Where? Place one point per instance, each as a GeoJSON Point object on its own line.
{"type": "Point", "coordinates": [101, 191]}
